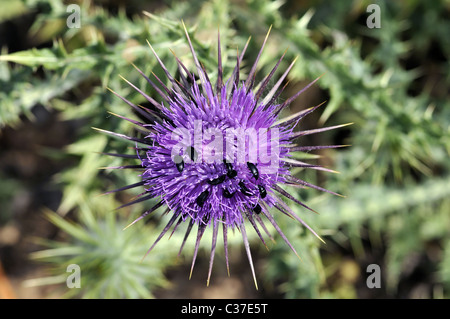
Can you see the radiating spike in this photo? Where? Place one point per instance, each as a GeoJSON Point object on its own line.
{"type": "Point", "coordinates": [255, 227]}
{"type": "Point", "coordinates": [219, 83]}
{"type": "Point", "coordinates": [157, 89]}
{"type": "Point", "coordinates": [297, 116]}
{"type": "Point", "coordinates": [292, 98]}
{"type": "Point", "coordinates": [249, 255]}
{"type": "Point", "coordinates": [186, 235]}
{"type": "Point", "coordinates": [182, 73]}
{"type": "Point", "coordinates": [209, 94]}
{"type": "Point", "coordinates": [169, 224]}
{"type": "Point", "coordinates": [123, 167]}
{"type": "Point", "coordinates": [201, 230]}
{"type": "Point", "coordinates": [147, 212]}
{"type": "Point", "coordinates": [285, 209]}
{"type": "Point", "coordinates": [267, 79]}
{"type": "Point", "coordinates": [144, 134]}
{"type": "Point", "coordinates": [121, 155]}
{"type": "Point", "coordinates": [235, 75]}
{"type": "Point", "coordinates": [197, 63]}
{"type": "Point", "coordinates": [141, 199]}
{"type": "Point", "coordinates": [213, 250]}
{"type": "Point", "coordinates": [180, 220]}
{"type": "Point", "coordinates": [296, 163]}
{"type": "Point", "coordinates": [303, 165]}
{"type": "Point", "coordinates": [147, 97]}
{"type": "Point", "coordinates": [277, 228]}
{"type": "Point", "coordinates": [170, 93]}
{"type": "Point", "coordinates": [135, 139]}
{"type": "Point", "coordinates": [138, 148]}
{"type": "Point", "coordinates": [138, 109]}
{"type": "Point", "coordinates": [263, 226]}
{"type": "Point", "coordinates": [302, 182]}
{"type": "Point", "coordinates": [180, 64]}
{"type": "Point", "coordinates": [287, 195]}
{"type": "Point", "coordinates": [225, 245]}
{"type": "Point", "coordinates": [275, 96]}
{"type": "Point", "coordinates": [251, 76]}
{"type": "Point", "coordinates": [317, 130]}
{"type": "Point", "coordinates": [169, 76]}
{"type": "Point", "coordinates": [269, 98]}
{"type": "Point", "coordinates": [314, 147]}
{"type": "Point", "coordinates": [126, 187]}
{"type": "Point", "coordinates": [281, 209]}
{"type": "Point", "coordinates": [137, 123]}
{"type": "Point", "coordinates": [187, 94]}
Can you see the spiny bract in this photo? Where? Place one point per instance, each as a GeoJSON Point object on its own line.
{"type": "Point", "coordinates": [217, 155]}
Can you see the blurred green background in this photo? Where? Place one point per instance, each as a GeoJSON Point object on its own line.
{"type": "Point", "coordinates": [392, 82]}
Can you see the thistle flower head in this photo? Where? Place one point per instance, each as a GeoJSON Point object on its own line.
{"type": "Point", "coordinates": [216, 154]}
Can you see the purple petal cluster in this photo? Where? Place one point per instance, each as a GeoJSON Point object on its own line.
{"type": "Point", "coordinates": [216, 155]}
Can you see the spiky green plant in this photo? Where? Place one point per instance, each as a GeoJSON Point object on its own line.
{"type": "Point", "coordinates": [391, 82]}
{"type": "Point", "coordinates": [109, 258]}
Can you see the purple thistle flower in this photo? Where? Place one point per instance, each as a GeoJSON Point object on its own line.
{"type": "Point", "coordinates": [217, 155]}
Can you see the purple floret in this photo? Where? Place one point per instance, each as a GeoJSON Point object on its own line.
{"type": "Point", "coordinates": [217, 155]}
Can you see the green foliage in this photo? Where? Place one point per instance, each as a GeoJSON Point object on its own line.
{"type": "Point", "coordinates": [8, 188]}
{"type": "Point", "coordinates": [387, 81]}
{"type": "Point", "coordinates": [106, 254]}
